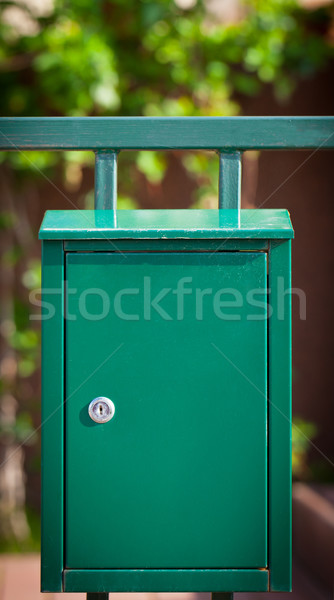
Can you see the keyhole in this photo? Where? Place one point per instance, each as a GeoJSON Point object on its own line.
{"type": "Point", "coordinates": [101, 409]}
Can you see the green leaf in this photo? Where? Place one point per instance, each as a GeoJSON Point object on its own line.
{"type": "Point", "coordinates": [152, 165]}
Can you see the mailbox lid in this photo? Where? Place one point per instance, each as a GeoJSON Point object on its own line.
{"type": "Point", "coordinates": [178, 478]}
{"type": "Point", "coordinates": [166, 224]}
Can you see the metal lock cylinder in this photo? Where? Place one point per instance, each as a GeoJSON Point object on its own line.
{"type": "Point", "coordinates": [101, 409]}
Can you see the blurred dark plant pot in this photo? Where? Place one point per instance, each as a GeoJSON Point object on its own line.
{"type": "Point", "coordinates": [313, 528]}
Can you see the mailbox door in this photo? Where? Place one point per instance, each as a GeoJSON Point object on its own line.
{"type": "Point", "coordinates": [178, 477]}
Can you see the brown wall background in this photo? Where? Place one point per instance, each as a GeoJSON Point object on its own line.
{"type": "Point", "coordinates": [302, 182]}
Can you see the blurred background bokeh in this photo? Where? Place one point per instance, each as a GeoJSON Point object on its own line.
{"type": "Point", "coordinates": [168, 58]}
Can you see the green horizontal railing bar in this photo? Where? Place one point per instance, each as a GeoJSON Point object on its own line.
{"type": "Point", "coordinates": [166, 133]}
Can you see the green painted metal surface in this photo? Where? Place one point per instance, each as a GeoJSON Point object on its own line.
{"type": "Point", "coordinates": [163, 485]}
{"type": "Point", "coordinates": [162, 245]}
{"type": "Point", "coordinates": [152, 580]}
{"type": "Point", "coordinates": [280, 477]}
{"type": "Point", "coordinates": [279, 490]}
{"type": "Point", "coordinates": [121, 133]}
{"type": "Point", "coordinates": [106, 180]}
{"type": "Point", "coordinates": [230, 182]}
{"type": "Point", "coordinates": [164, 224]}
{"type": "Point", "coordinates": [52, 416]}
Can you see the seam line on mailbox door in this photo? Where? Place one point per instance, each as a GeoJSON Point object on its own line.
{"type": "Point", "coordinates": [64, 411]}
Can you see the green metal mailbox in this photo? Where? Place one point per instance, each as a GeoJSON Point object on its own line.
{"type": "Point", "coordinates": [175, 335]}
{"type": "Point", "coordinates": [166, 370]}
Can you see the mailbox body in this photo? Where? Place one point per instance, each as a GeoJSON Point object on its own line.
{"type": "Point", "coordinates": [182, 319]}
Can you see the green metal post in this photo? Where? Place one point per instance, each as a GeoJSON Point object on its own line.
{"type": "Point", "coordinates": [222, 596]}
{"type": "Point", "coordinates": [106, 180]}
{"type": "Point", "coordinates": [230, 182]}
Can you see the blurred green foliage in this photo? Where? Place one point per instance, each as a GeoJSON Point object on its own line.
{"type": "Point", "coordinates": [22, 340]}
{"type": "Point", "coordinates": [31, 543]}
{"type": "Point", "coordinates": [20, 358]}
{"type": "Point", "coordinates": [130, 57]}
{"type": "Point", "coordinates": [303, 433]}
{"type": "Point", "coordinates": [138, 57]}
